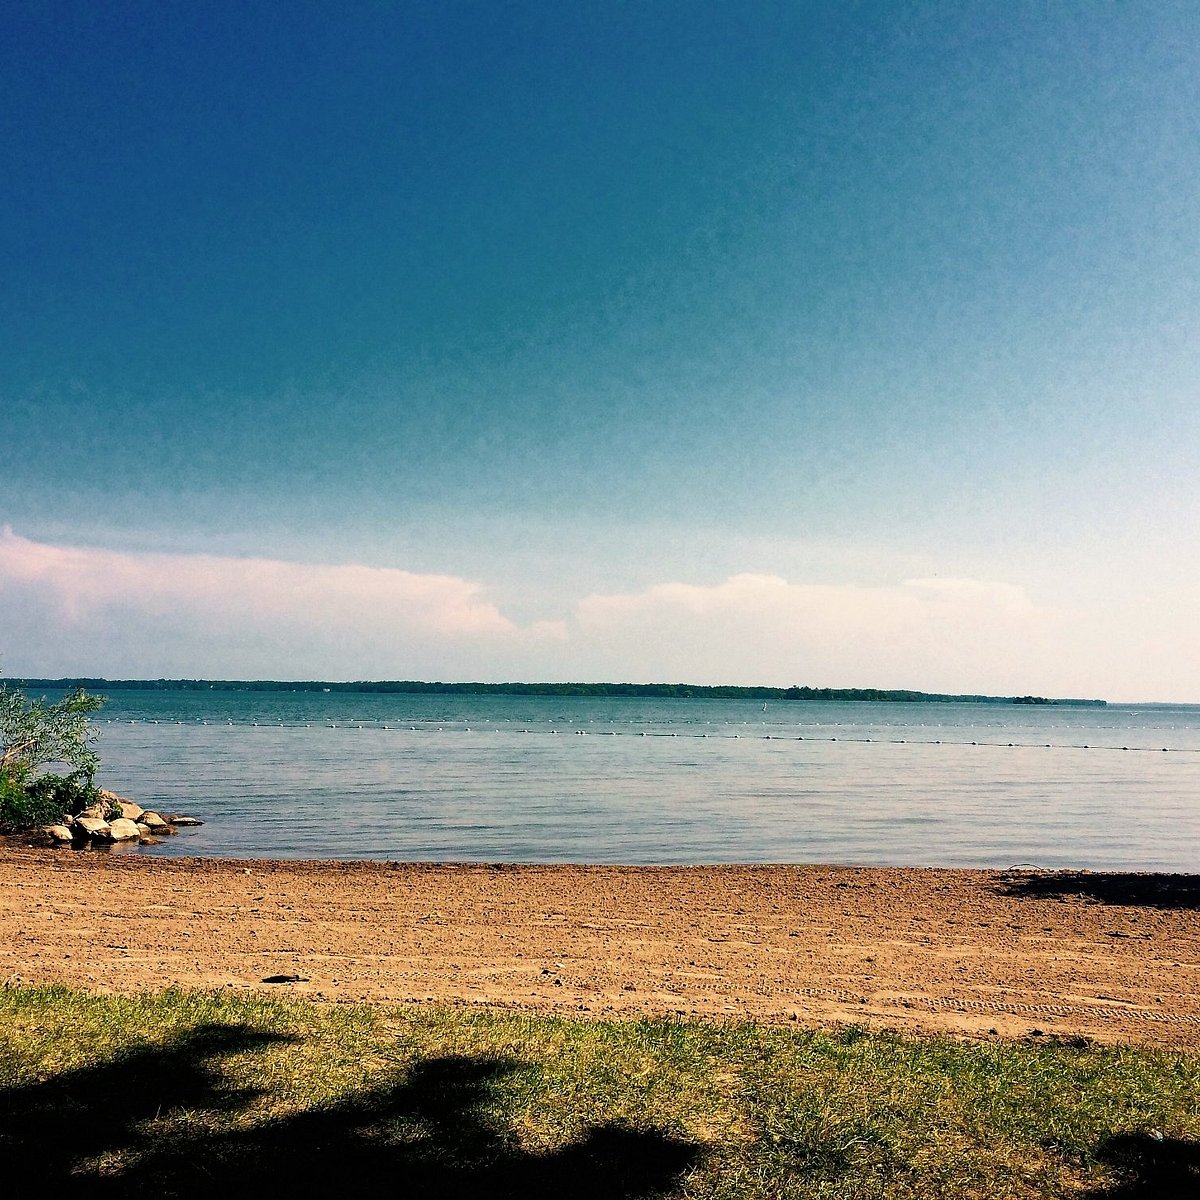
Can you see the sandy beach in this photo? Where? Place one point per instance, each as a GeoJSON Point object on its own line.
{"type": "Point", "coordinates": [1114, 958]}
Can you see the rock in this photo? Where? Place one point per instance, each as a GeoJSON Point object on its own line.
{"type": "Point", "coordinates": [131, 811]}
{"type": "Point", "coordinates": [150, 840]}
{"type": "Point", "coordinates": [154, 821]}
{"type": "Point", "coordinates": [143, 829]}
{"type": "Point", "coordinates": [183, 821]}
{"type": "Point", "coordinates": [95, 812]}
{"type": "Point", "coordinates": [111, 804]}
{"type": "Point", "coordinates": [92, 827]}
{"type": "Point", "coordinates": [59, 833]}
{"type": "Point", "coordinates": [123, 830]}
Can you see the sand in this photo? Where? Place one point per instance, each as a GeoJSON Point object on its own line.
{"type": "Point", "coordinates": [970, 953]}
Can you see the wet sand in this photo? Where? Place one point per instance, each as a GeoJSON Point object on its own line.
{"type": "Point", "coordinates": [971, 953]}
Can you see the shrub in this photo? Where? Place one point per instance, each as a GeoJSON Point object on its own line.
{"type": "Point", "coordinates": [36, 732]}
{"type": "Point", "coordinates": [47, 799]}
{"type": "Point", "coordinates": [18, 809]}
{"type": "Point", "coordinates": [33, 734]}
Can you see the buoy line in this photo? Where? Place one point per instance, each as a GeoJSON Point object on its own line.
{"type": "Point", "coordinates": [376, 726]}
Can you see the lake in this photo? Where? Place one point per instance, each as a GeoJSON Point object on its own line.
{"type": "Point", "coordinates": [640, 780]}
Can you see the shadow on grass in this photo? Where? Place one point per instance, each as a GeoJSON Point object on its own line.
{"type": "Point", "coordinates": [1107, 887]}
{"type": "Point", "coordinates": [1150, 1168]}
{"type": "Point", "coordinates": [428, 1133]}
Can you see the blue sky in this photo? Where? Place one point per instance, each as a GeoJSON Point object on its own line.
{"type": "Point", "coordinates": [831, 344]}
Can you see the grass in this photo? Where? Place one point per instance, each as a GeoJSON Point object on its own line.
{"type": "Point", "coordinates": [188, 1093]}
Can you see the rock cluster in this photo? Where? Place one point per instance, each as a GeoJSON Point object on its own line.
{"type": "Point", "coordinates": [115, 819]}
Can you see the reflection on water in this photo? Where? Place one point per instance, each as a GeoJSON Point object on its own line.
{"type": "Point", "coordinates": [633, 780]}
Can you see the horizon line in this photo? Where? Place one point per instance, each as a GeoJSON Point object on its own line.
{"type": "Point", "coordinates": [676, 689]}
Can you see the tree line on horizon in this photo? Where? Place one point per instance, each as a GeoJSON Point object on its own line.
{"type": "Point", "coordinates": [671, 691]}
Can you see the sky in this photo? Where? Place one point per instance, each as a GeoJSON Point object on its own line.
{"type": "Point", "coordinates": [762, 343]}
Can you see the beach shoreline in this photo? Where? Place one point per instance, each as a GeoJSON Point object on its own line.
{"type": "Point", "coordinates": [970, 953]}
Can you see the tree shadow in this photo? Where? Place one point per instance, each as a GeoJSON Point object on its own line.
{"type": "Point", "coordinates": [428, 1132]}
{"type": "Point", "coordinates": [1150, 1168]}
{"type": "Point", "coordinates": [1107, 887]}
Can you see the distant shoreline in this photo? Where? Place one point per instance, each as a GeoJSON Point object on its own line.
{"type": "Point", "coordinates": [667, 691]}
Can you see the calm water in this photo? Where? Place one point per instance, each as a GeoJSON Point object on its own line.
{"type": "Point", "coordinates": [549, 779]}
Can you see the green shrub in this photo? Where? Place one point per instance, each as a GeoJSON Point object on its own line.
{"type": "Point", "coordinates": [36, 732]}
{"type": "Point", "coordinates": [18, 809]}
{"type": "Point", "coordinates": [44, 801]}
{"type": "Point", "coordinates": [33, 734]}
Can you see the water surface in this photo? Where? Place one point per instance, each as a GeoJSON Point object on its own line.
{"type": "Point", "coordinates": [645, 780]}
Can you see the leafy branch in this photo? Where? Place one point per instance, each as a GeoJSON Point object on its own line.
{"type": "Point", "coordinates": [34, 733]}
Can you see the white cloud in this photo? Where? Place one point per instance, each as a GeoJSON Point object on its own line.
{"type": "Point", "coordinates": [83, 581]}
{"type": "Point", "coordinates": [75, 611]}
{"type": "Point", "coordinates": [115, 612]}
{"type": "Point", "coordinates": [933, 634]}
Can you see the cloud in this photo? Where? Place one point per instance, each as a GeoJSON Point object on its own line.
{"type": "Point", "coordinates": [81, 611]}
{"type": "Point", "coordinates": [192, 607]}
{"type": "Point", "coordinates": [934, 634]}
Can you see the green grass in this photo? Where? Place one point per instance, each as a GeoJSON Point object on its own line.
{"type": "Point", "coordinates": [190, 1093]}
